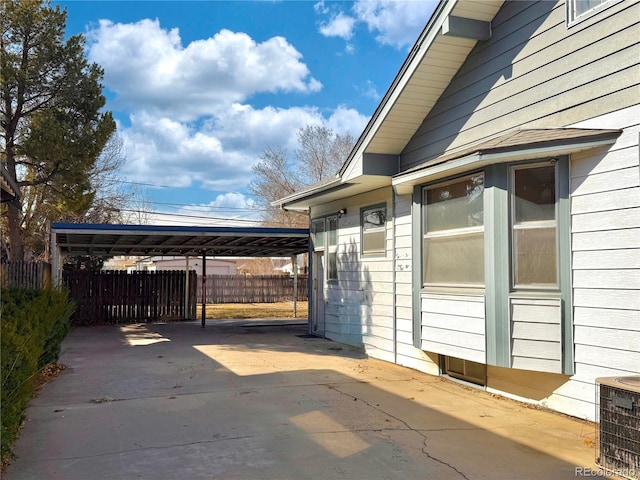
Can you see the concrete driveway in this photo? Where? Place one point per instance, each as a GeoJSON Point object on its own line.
{"type": "Point", "coordinates": [235, 401]}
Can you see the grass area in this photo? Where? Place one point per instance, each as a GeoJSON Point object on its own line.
{"type": "Point", "coordinates": [254, 310]}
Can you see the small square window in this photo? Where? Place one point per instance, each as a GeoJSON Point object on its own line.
{"type": "Point", "coordinates": [580, 9]}
{"type": "Point", "coordinates": [374, 229]}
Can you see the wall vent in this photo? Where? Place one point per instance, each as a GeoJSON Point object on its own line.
{"type": "Point", "coordinates": [618, 417]}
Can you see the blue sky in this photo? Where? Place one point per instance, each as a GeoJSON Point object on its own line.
{"type": "Point", "coordinates": [199, 89]}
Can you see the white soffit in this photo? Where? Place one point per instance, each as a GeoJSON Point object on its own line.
{"type": "Point", "coordinates": [437, 61]}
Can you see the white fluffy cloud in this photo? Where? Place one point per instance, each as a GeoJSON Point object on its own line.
{"type": "Point", "coordinates": [218, 154]}
{"type": "Point", "coordinates": [231, 208]}
{"type": "Point", "coordinates": [339, 25]}
{"type": "Point", "coordinates": [148, 68]}
{"type": "Point", "coordinates": [394, 22]}
{"type": "Point", "coordinates": [189, 121]}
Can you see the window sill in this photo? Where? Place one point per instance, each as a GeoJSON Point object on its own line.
{"type": "Point", "coordinates": [535, 294]}
{"type": "Point", "coordinates": [473, 291]}
{"type": "Point", "coordinates": [373, 255]}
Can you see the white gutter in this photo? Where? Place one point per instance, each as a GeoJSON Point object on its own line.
{"type": "Point", "coordinates": [310, 192]}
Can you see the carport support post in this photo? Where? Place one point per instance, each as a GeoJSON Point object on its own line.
{"type": "Point", "coordinates": [204, 286]}
{"type": "Point", "coordinates": [186, 288]}
{"type": "Point", "coordinates": [294, 268]}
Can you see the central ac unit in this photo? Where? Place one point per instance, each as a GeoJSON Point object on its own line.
{"type": "Point", "coordinates": [618, 415]}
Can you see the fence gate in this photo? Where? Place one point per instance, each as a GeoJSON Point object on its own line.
{"type": "Point", "coordinates": [114, 296]}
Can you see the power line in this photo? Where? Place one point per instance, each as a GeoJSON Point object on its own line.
{"type": "Point", "coordinates": [184, 215]}
{"type": "Point", "coordinates": [212, 207]}
{"type": "Point", "coordinates": [157, 185]}
{"type": "Point", "coordinates": [167, 217]}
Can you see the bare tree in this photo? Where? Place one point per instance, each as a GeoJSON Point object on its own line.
{"type": "Point", "coordinates": [138, 208]}
{"type": "Point", "coordinates": [110, 197]}
{"type": "Point", "coordinates": [257, 266]}
{"type": "Point", "coordinates": [275, 177]}
{"type": "Point", "coordinates": [320, 154]}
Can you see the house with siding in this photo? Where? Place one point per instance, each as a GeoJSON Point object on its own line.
{"type": "Point", "coordinates": [486, 226]}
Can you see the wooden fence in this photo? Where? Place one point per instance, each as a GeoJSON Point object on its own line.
{"type": "Point", "coordinates": [119, 297]}
{"type": "Point", "coordinates": [26, 275]}
{"type": "Point", "coordinates": [252, 289]}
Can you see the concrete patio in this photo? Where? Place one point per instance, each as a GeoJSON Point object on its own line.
{"type": "Point", "coordinates": [258, 400]}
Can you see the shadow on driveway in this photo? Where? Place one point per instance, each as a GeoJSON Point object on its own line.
{"type": "Point", "coordinates": [245, 401]}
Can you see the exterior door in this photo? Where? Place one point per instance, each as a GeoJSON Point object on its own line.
{"type": "Point", "coordinates": [318, 293]}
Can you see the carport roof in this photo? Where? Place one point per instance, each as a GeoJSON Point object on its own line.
{"type": "Point", "coordinates": [138, 240]}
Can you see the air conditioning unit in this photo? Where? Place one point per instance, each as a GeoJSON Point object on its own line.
{"type": "Point", "coordinates": [618, 417]}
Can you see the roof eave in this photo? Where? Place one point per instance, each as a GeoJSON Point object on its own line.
{"type": "Point", "coordinates": [360, 145]}
{"type": "Point", "coordinates": [340, 191]}
{"type": "Point", "coordinates": [404, 183]}
{"type": "Point", "coordinates": [289, 202]}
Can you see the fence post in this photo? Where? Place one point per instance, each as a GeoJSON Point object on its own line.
{"type": "Point", "coordinates": [204, 286]}
{"type": "Point", "coordinates": [186, 289]}
{"type": "Point", "coordinates": [294, 268]}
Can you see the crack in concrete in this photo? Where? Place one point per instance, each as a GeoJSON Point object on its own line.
{"type": "Point", "coordinates": [182, 394]}
{"type": "Point", "coordinates": [409, 427]}
{"type": "Point", "coordinates": [129, 450]}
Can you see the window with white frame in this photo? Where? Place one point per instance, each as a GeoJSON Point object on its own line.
{"type": "Point", "coordinates": [579, 9]}
{"type": "Point", "coordinates": [453, 233]}
{"type": "Point", "coordinates": [534, 226]}
{"type": "Point", "coordinates": [373, 221]}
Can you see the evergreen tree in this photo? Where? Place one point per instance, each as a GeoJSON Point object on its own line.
{"type": "Point", "coordinates": [53, 126]}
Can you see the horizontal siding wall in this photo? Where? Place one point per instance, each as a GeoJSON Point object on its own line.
{"type": "Point", "coordinates": [359, 308]}
{"type": "Point", "coordinates": [454, 325]}
{"type": "Point", "coordinates": [535, 73]}
{"type": "Point", "coordinates": [536, 334]}
{"type": "Point", "coordinates": [605, 225]}
{"type": "Point", "coordinates": [406, 353]}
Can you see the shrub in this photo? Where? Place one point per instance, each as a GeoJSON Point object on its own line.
{"type": "Point", "coordinates": [33, 324]}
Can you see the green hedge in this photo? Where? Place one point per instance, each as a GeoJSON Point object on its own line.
{"type": "Point", "coordinates": [33, 324]}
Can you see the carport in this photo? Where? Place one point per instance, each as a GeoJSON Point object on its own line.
{"type": "Point", "coordinates": [147, 240]}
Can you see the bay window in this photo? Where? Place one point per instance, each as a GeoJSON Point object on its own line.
{"type": "Point", "coordinates": [505, 229]}
{"type": "Point", "coordinates": [453, 239]}
{"type": "Point", "coordinates": [534, 226]}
